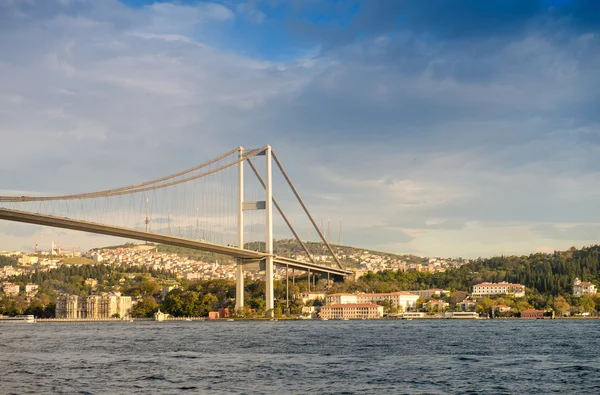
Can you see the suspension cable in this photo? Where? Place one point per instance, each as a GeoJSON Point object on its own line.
{"type": "Point", "coordinates": [135, 189]}
{"type": "Point", "coordinates": [287, 178]}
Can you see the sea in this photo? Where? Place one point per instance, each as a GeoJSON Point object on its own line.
{"type": "Point", "coordinates": [302, 357]}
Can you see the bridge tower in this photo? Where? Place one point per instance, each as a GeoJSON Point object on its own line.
{"type": "Point", "coordinates": [267, 205]}
{"type": "Point", "coordinates": [239, 270]}
{"type": "Point", "coordinates": [269, 296]}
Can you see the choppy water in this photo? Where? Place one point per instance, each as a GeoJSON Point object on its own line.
{"type": "Point", "coordinates": [325, 357]}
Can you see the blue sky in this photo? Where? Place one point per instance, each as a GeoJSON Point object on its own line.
{"type": "Point", "coordinates": [448, 128]}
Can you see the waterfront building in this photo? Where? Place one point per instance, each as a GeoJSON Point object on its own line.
{"type": "Point", "coordinates": [351, 311]}
{"type": "Point", "coordinates": [532, 314]}
{"type": "Point", "coordinates": [93, 306]}
{"type": "Point", "coordinates": [581, 288]}
{"type": "Point", "coordinates": [404, 300]}
{"type": "Point", "coordinates": [503, 288]}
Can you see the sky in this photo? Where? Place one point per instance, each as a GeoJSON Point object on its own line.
{"type": "Point", "coordinates": [439, 128]}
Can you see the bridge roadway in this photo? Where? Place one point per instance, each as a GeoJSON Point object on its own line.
{"type": "Point", "coordinates": [93, 227]}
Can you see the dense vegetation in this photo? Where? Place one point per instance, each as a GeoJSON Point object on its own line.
{"type": "Point", "coordinates": [7, 261]}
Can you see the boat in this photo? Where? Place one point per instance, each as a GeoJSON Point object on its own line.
{"type": "Point", "coordinates": [230, 319]}
{"type": "Point", "coordinates": [188, 319]}
{"type": "Point", "coordinates": [28, 319]}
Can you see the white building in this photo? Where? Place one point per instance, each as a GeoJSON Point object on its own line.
{"type": "Point", "coordinates": [581, 288]}
{"type": "Point", "coordinates": [31, 288]}
{"type": "Point", "coordinates": [341, 299]}
{"type": "Point", "coordinates": [404, 300]}
{"type": "Point", "coordinates": [351, 311]}
{"type": "Point", "coordinates": [11, 289]}
{"type": "Point", "coordinates": [503, 288]}
{"type": "Point", "coordinates": [306, 296]}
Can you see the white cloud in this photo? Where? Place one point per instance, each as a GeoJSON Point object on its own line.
{"type": "Point", "coordinates": [449, 151]}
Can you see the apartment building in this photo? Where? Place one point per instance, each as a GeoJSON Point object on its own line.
{"type": "Point", "coordinates": [503, 288]}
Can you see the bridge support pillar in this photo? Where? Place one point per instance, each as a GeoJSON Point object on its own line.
{"type": "Point", "coordinates": [269, 294]}
{"type": "Point", "coordinates": [239, 287]}
{"type": "Point", "coordinates": [239, 270]}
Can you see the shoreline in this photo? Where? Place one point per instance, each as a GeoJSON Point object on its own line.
{"type": "Point", "coordinates": [189, 319]}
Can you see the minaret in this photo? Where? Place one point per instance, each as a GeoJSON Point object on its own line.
{"type": "Point", "coordinates": [340, 235]}
{"type": "Point", "coordinates": [329, 230]}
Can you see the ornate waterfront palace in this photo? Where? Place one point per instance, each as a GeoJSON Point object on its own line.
{"type": "Point", "coordinates": [93, 306]}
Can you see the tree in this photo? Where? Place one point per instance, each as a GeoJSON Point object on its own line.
{"type": "Point", "coordinates": [458, 296]}
{"type": "Point", "coordinates": [145, 308]}
{"type": "Point", "coordinates": [523, 305]}
{"type": "Point", "coordinates": [560, 306]}
{"type": "Point", "coordinates": [586, 304]}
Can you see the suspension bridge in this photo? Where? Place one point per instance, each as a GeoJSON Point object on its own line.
{"type": "Point", "coordinates": [211, 207]}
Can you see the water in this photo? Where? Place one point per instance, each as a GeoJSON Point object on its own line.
{"type": "Point", "coordinates": [324, 357]}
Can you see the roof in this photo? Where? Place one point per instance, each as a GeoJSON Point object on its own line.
{"type": "Point", "coordinates": [388, 294]}
{"type": "Point", "coordinates": [348, 305]}
{"type": "Point", "coordinates": [584, 284]}
{"type": "Point", "coordinates": [378, 294]}
{"type": "Point", "coordinates": [532, 311]}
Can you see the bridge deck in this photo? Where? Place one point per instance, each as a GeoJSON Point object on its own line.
{"type": "Point", "coordinates": [93, 227]}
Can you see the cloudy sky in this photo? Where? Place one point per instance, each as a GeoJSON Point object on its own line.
{"type": "Point", "coordinates": [448, 128]}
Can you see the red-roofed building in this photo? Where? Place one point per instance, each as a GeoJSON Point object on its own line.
{"type": "Point", "coordinates": [581, 288]}
{"type": "Point", "coordinates": [532, 314]}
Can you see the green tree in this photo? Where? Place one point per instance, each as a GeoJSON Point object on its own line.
{"type": "Point", "coordinates": [586, 304]}
{"type": "Point", "coordinates": [145, 308]}
{"type": "Point", "coordinates": [560, 306]}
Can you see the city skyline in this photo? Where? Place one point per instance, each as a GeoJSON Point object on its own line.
{"type": "Point", "coordinates": [447, 130]}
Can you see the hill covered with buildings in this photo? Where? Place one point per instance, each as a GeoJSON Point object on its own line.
{"type": "Point", "coordinates": [187, 282]}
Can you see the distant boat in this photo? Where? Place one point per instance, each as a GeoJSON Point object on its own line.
{"type": "Point", "coordinates": [28, 319]}
{"type": "Point", "coordinates": [188, 319]}
{"type": "Point", "coordinates": [230, 319]}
